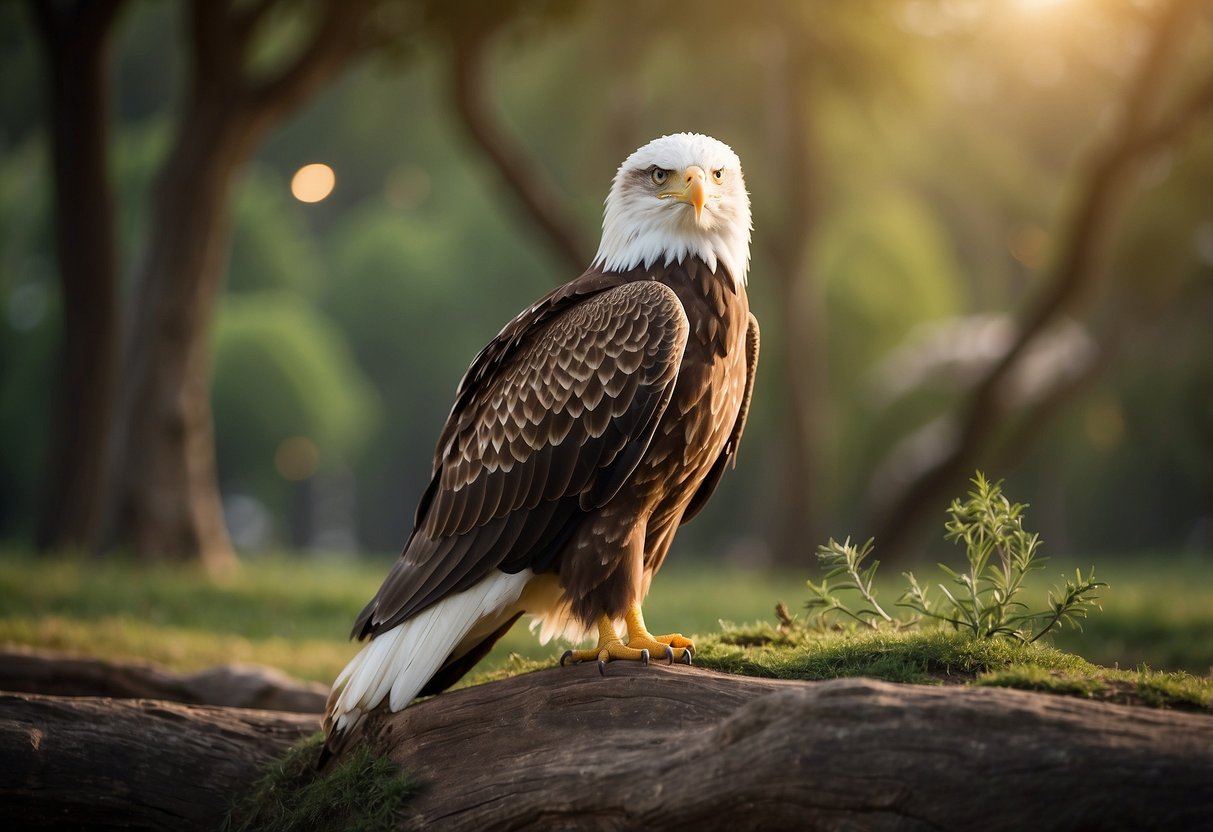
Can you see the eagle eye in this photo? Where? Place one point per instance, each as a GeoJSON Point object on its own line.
{"type": "Point", "coordinates": [718, 174]}
{"type": "Point", "coordinates": [659, 175]}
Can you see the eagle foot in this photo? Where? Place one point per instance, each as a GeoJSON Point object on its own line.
{"type": "Point", "coordinates": [611, 650]}
{"type": "Point", "coordinates": [674, 647]}
{"type": "Point", "coordinates": [640, 646]}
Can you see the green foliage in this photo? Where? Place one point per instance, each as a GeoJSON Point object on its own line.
{"type": "Point", "coordinates": [272, 246]}
{"type": "Point", "coordinates": [363, 792]}
{"type": "Point", "coordinates": [940, 656]}
{"type": "Point", "coordinates": [283, 371]}
{"type": "Point", "coordinates": [984, 599]}
{"type": "Point", "coordinates": [884, 232]}
{"type": "Point", "coordinates": [1000, 553]}
{"type": "Point", "coordinates": [845, 560]}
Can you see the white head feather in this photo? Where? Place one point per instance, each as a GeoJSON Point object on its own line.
{"type": "Point", "coordinates": [640, 226]}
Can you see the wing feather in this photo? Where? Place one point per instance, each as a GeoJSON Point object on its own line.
{"type": "Point", "coordinates": [550, 419]}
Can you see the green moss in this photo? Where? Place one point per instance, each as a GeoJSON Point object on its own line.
{"type": "Point", "coordinates": [1173, 690]}
{"type": "Point", "coordinates": [1134, 687]}
{"type": "Point", "coordinates": [923, 656]}
{"type": "Point", "coordinates": [363, 792]}
{"type": "Point", "coordinates": [941, 656]}
{"type": "Point", "coordinates": [1087, 685]}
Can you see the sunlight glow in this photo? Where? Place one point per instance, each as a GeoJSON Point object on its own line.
{"type": "Point", "coordinates": [1039, 5]}
{"type": "Point", "coordinates": [312, 183]}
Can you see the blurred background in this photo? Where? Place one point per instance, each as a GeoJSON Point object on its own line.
{"type": "Point", "coordinates": [247, 250]}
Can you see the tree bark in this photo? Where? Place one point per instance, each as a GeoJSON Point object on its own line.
{"type": "Point", "coordinates": [76, 39]}
{"type": "Point", "coordinates": [231, 686]}
{"type": "Point", "coordinates": [132, 764]}
{"type": "Point", "coordinates": [166, 503]}
{"type": "Point", "coordinates": [1103, 189]}
{"type": "Point", "coordinates": [644, 748]}
{"type": "Point", "coordinates": [676, 748]}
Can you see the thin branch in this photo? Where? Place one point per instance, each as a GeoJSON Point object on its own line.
{"type": "Point", "coordinates": [245, 21]}
{"type": "Point", "coordinates": [335, 42]}
{"type": "Point", "coordinates": [1075, 270]}
{"type": "Point", "coordinates": [1181, 119]}
{"type": "Point", "coordinates": [525, 180]}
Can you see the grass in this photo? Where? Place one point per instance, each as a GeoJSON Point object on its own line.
{"type": "Point", "coordinates": [294, 614]}
{"type": "Point", "coordinates": [363, 792]}
{"type": "Point", "coordinates": [290, 613]}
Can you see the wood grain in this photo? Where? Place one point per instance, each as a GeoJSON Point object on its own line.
{"type": "Point", "coordinates": [643, 748]}
{"type": "Point", "coordinates": [680, 748]}
{"type": "Point", "coordinates": [93, 763]}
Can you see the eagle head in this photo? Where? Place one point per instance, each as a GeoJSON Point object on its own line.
{"type": "Point", "coordinates": [678, 195]}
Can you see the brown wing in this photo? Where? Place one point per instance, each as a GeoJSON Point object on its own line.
{"type": "Point", "coordinates": [549, 422]}
{"type": "Point", "coordinates": [708, 486]}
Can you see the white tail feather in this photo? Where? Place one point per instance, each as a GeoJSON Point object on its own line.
{"type": "Point", "coordinates": [401, 660]}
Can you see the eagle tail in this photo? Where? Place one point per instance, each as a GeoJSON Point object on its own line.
{"type": "Point", "coordinates": [396, 664]}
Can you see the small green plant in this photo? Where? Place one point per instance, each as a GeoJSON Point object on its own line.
{"type": "Point", "coordinates": [845, 560]}
{"type": "Point", "coordinates": [981, 599]}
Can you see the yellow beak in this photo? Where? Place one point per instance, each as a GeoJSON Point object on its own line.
{"type": "Point", "coordinates": [694, 189]}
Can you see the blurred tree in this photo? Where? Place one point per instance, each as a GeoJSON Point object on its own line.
{"type": "Point", "coordinates": [470, 39]}
{"type": "Point", "coordinates": [932, 208]}
{"type": "Point", "coordinates": [243, 81]}
{"type": "Point", "coordinates": [76, 38]}
{"type": "Point", "coordinates": [289, 399]}
{"type": "Point", "coordinates": [1149, 119]}
{"type": "Point", "coordinates": [272, 247]}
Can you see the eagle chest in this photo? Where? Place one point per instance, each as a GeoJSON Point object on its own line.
{"type": "Point", "coordinates": [707, 396]}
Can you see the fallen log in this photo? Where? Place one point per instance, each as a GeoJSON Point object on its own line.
{"type": "Point", "coordinates": [643, 748]}
{"type": "Point", "coordinates": [93, 763]}
{"type": "Point", "coordinates": [232, 685]}
{"type": "Point", "coordinates": [676, 748]}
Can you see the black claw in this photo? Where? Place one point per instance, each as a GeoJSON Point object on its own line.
{"type": "Point", "coordinates": [644, 657]}
{"type": "Point", "coordinates": [669, 654]}
{"type": "Point", "coordinates": [686, 657]}
{"type": "Point", "coordinates": [602, 667]}
{"type": "Point", "coordinates": [568, 654]}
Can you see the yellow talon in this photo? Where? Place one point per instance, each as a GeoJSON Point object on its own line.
{"type": "Point", "coordinates": [640, 646]}
{"type": "Point", "coordinates": [675, 647]}
{"type": "Point", "coordinates": [609, 647]}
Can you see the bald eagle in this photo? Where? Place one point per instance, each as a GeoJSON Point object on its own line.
{"type": "Point", "coordinates": [597, 421]}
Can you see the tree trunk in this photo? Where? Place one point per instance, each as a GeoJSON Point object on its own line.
{"type": "Point", "coordinates": [76, 42]}
{"type": "Point", "coordinates": [132, 764]}
{"type": "Point", "coordinates": [166, 503]}
{"type": "Point", "coordinates": [169, 498]}
{"type": "Point", "coordinates": [644, 748]}
{"type": "Point", "coordinates": [798, 508]}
